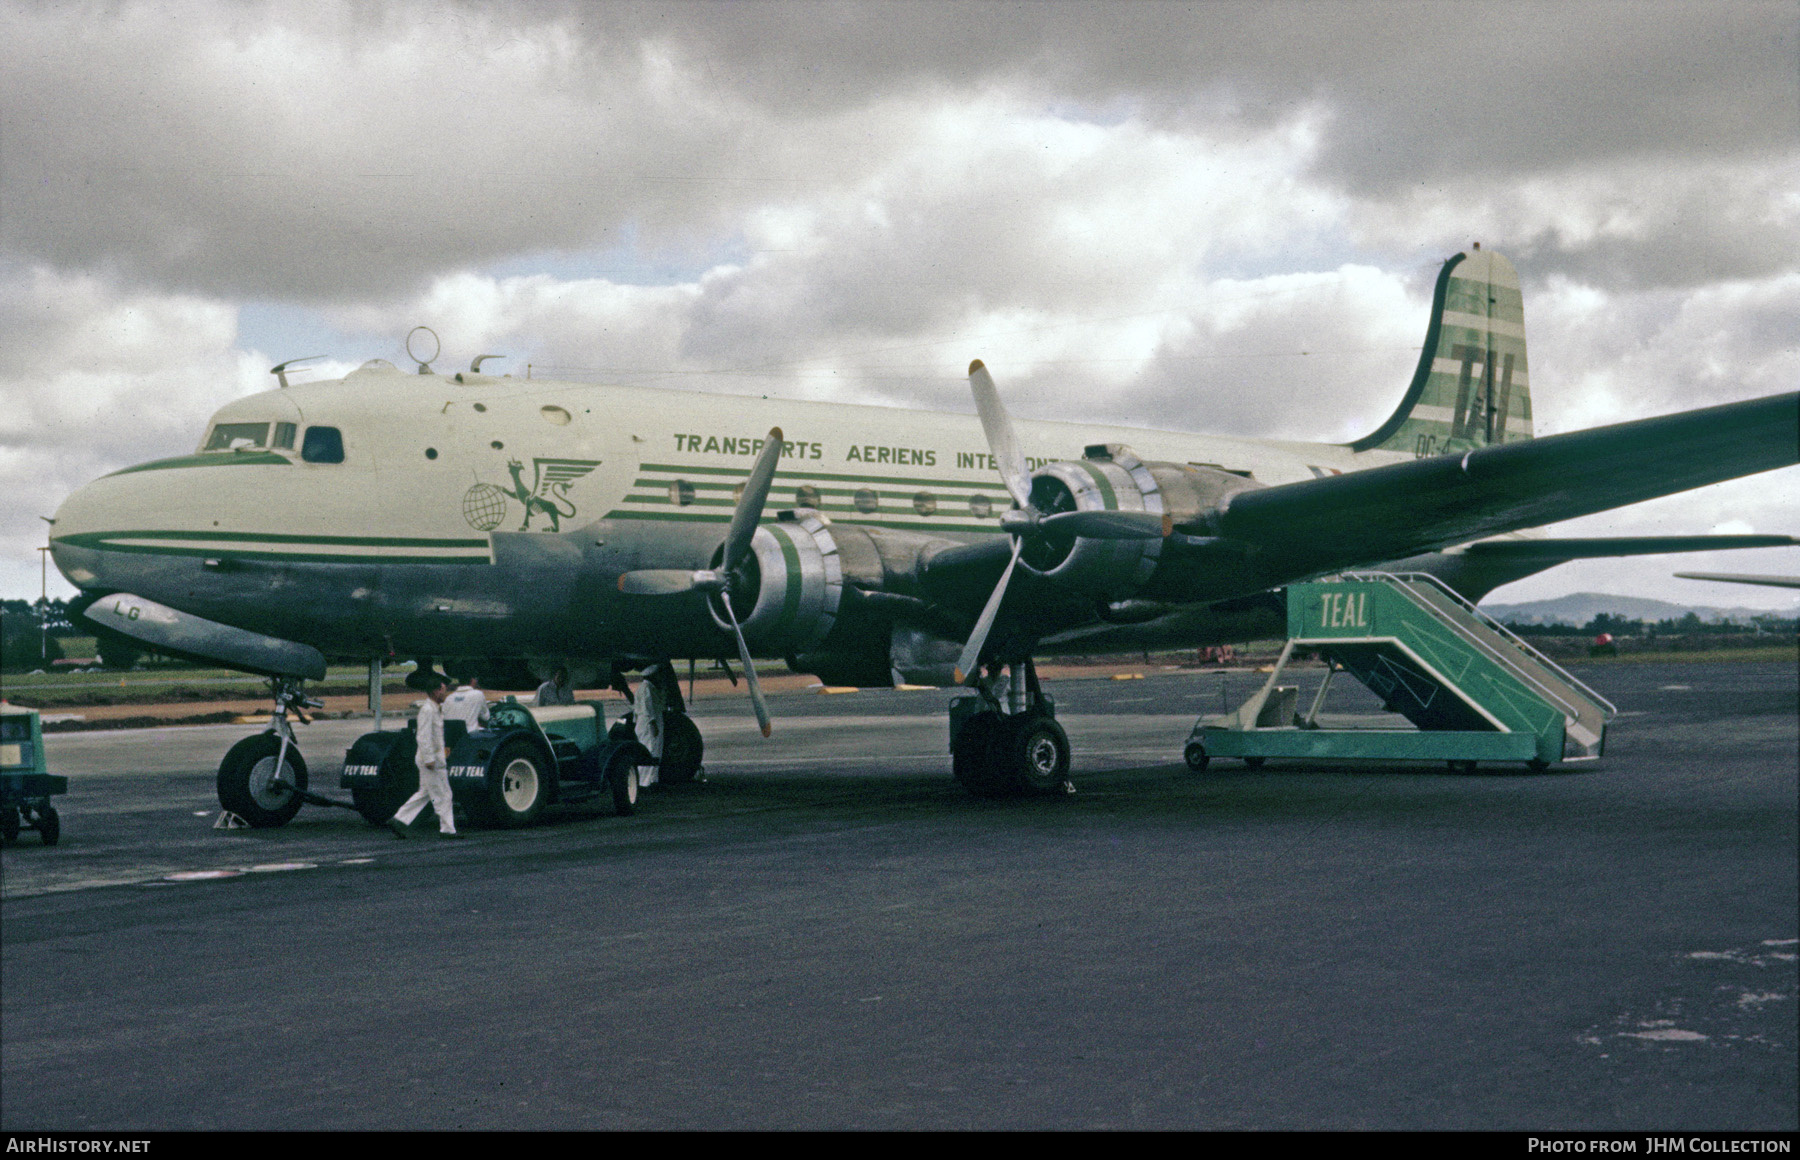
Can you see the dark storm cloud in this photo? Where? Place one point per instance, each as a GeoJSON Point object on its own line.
{"type": "Point", "coordinates": [356, 150]}
{"type": "Point", "coordinates": [1422, 89]}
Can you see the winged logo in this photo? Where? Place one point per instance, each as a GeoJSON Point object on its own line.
{"type": "Point", "coordinates": [548, 494]}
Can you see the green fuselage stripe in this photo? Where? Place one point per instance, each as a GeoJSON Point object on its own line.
{"type": "Point", "coordinates": [857, 518]}
{"type": "Point", "coordinates": [215, 459]}
{"type": "Point", "coordinates": [291, 557]}
{"type": "Point", "coordinates": [836, 476]}
{"type": "Point", "coordinates": [105, 539]}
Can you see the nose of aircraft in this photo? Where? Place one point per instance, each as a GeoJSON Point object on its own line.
{"type": "Point", "coordinates": [109, 529]}
{"type": "Point", "coordinates": [72, 532]}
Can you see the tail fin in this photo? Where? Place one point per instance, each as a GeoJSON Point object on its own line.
{"type": "Point", "coordinates": [1472, 387]}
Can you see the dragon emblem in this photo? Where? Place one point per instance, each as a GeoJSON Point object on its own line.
{"type": "Point", "coordinates": [484, 505]}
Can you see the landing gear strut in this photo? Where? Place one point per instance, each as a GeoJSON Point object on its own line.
{"type": "Point", "coordinates": [1010, 748]}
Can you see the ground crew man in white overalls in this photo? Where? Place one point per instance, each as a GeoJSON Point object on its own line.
{"type": "Point", "coordinates": [434, 769]}
{"type": "Point", "coordinates": [647, 706]}
{"type": "Point", "coordinates": [467, 704]}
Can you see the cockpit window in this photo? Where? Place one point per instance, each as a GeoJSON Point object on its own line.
{"type": "Point", "coordinates": [284, 436]}
{"type": "Point", "coordinates": [322, 445]}
{"type": "Point", "coordinates": [227, 436]}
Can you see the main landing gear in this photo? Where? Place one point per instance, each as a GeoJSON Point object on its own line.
{"type": "Point", "coordinates": [1011, 747]}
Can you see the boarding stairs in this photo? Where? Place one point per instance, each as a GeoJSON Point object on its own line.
{"type": "Point", "coordinates": [1473, 690]}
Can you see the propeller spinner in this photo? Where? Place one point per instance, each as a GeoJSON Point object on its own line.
{"type": "Point", "coordinates": [730, 572]}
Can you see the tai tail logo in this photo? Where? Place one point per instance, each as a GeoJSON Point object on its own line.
{"type": "Point", "coordinates": [1472, 387]}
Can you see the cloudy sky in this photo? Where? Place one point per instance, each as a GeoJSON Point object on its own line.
{"type": "Point", "coordinates": [1215, 217]}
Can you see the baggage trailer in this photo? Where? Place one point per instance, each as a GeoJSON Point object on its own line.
{"type": "Point", "coordinates": [26, 785]}
{"type": "Point", "coordinates": [1474, 691]}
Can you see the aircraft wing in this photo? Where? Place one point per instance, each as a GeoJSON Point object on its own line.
{"type": "Point", "coordinates": [1387, 513]}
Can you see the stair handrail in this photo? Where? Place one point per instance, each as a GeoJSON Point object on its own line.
{"type": "Point", "coordinates": [1607, 709]}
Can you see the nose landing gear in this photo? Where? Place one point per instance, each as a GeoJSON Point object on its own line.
{"type": "Point", "coordinates": [263, 778]}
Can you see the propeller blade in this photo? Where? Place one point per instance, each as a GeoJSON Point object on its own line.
{"type": "Point", "coordinates": [750, 505]}
{"type": "Point", "coordinates": [1001, 439]}
{"type": "Point", "coordinates": [756, 697]}
{"type": "Point", "coordinates": [1102, 525]}
{"type": "Point", "coordinates": [668, 582]}
{"type": "Point", "coordinates": [968, 662]}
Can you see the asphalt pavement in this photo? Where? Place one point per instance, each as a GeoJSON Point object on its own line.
{"type": "Point", "coordinates": [829, 933]}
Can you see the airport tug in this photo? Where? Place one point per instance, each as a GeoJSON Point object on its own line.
{"type": "Point", "coordinates": [26, 785]}
{"type": "Point", "coordinates": [528, 757]}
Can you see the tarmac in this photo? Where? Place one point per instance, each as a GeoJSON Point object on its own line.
{"type": "Point", "coordinates": [829, 933]}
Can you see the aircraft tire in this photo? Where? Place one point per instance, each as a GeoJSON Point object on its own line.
{"type": "Point", "coordinates": [49, 826]}
{"type": "Point", "coordinates": [682, 750]}
{"type": "Point", "coordinates": [518, 786]}
{"type": "Point", "coordinates": [974, 757]}
{"type": "Point", "coordinates": [244, 777]}
{"type": "Point", "coordinates": [1196, 757]}
{"type": "Point", "coordinates": [9, 823]}
{"type": "Point", "coordinates": [622, 781]}
{"type": "Point", "coordinates": [1033, 755]}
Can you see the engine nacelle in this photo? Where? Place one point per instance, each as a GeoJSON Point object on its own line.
{"type": "Point", "coordinates": [797, 583]}
{"type": "Point", "coordinates": [1111, 478]}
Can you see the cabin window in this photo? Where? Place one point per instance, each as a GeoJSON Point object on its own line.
{"type": "Point", "coordinates": [323, 445]}
{"type": "Point", "coordinates": [681, 493]}
{"type": "Point", "coordinates": [806, 495]}
{"type": "Point", "coordinates": [866, 500]}
{"type": "Point", "coordinates": [925, 503]}
{"type": "Point", "coordinates": [284, 436]}
{"type": "Point", "coordinates": [980, 506]}
{"type": "Point", "coordinates": [227, 436]}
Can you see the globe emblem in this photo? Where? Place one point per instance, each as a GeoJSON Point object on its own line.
{"type": "Point", "coordinates": [484, 506]}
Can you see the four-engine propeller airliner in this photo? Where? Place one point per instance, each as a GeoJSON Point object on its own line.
{"type": "Point", "coordinates": [610, 528]}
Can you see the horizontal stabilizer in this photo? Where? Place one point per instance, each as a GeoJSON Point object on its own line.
{"type": "Point", "coordinates": [191, 638]}
{"type": "Point", "coordinates": [1388, 513]}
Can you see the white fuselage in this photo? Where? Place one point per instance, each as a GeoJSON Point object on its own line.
{"type": "Point", "coordinates": [439, 469]}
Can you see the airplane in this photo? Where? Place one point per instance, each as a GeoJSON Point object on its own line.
{"type": "Point", "coordinates": [613, 529]}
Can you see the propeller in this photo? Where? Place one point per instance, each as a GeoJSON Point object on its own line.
{"type": "Point", "coordinates": [1026, 521]}
{"type": "Point", "coordinates": [721, 580]}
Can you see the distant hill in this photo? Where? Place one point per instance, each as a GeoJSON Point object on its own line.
{"type": "Point", "coordinates": [1581, 607]}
